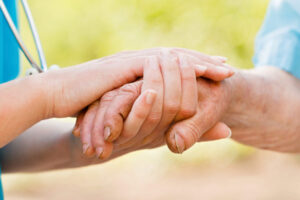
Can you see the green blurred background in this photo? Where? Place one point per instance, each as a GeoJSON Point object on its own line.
{"type": "Point", "coordinates": [75, 31]}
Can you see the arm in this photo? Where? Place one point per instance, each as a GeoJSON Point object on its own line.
{"type": "Point", "coordinates": [261, 106]}
{"type": "Point", "coordinates": [264, 111]}
{"type": "Point", "coordinates": [48, 145]}
{"type": "Point", "coordinates": [26, 101]}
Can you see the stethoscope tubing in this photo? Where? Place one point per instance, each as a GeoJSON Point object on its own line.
{"type": "Point", "coordinates": [35, 35]}
{"type": "Point", "coordinates": [18, 38]}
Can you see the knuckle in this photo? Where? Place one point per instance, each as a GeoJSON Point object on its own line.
{"type": "Point", "coordinates": [107, 97]}
{"type": "Point", "coordinates": [112, 117]}
{"type": "Point", "coordinates": [154, 118]}
{"type": "Point", "coordinates": [171, 107]}
{"type": "Point", "coordinates": [126, 136]}
{"type": "Point", "coordinates": [130, 89]}
{"type": "Point", "coordinates": [187, 112]}
{"type": "Point", "coordinates": [193, 130]}
{"type": "Point", "coordinates": [188, 77]}
{"type": "Point", "coordinates": [156, 80]}
{"type": "Point", "coordinates": [140, 115]}
{"type": "Point", "coordinates": [190, 137]}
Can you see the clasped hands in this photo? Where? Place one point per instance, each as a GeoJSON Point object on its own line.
{"type": "Point", "coordinates": [178, 101]}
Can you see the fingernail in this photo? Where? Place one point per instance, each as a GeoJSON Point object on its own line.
{"type": "Point", "coordinates": [107, 133]}
{"type": "Point", "coordinates": [224, 59]}
{"type": "Point", "coordinates": [230, 68]}
{"type": "Point", "coordinates": [229, 133]}
{"type": "Point", "coordinates": [201, 68]}
{"type": "Point", "coordinates": [76, 131]}
{"type": "Point", "coordinates": [99, 151]}
{"type": "Point", "coordinates": [223, 70]}
{"type": "Point", "coordinates": [85, 147]}
{"type": "Point", "coordinates": [150, 97]}
{"type": "Point", "coordinates": [179, 143]}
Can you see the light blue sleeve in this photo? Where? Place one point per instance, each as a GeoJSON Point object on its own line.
{"type": "Point", "coordinates": [278, 42]}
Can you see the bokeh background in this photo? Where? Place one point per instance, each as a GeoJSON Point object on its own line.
{"type": "Point", "coordinates": [75, 31]}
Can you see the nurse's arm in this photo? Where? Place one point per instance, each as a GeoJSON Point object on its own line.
{"type": "Point", "coordinates": [60, 93]}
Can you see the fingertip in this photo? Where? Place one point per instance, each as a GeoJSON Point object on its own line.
{"type": "Point", "coordinates": [231, 73]}
{"type": "Point", "coordinates": [150, 96]}
{"type": "Point", "coordinates": [170, 140]}
{"type": "Point", "coordinates": [200, 70]}
{"type": "Point", "coordinates": [113, 128]}
{"type": "Point", "coordinates": [104, 152]}
{"type": "Point", "coordinates": [76, 132]}
{"type": "Point", "coordinates": [229, 133]}
{"type": "Point", "coordinates": [220, 58]}
{"type": "Point", "coordinates": [179, 142]}
{"type": "Point", "coordinates": [88, 150]}
{"type": "Point", "coordinates": [218, 132]}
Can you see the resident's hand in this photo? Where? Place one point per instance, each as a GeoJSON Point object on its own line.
{"type": "Point", "coordinates": [213, 101]}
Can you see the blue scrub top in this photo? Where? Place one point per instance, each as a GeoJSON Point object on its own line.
{"type": "Point", "coordinates": [9, 52]}
{"type": "Point", "coordinates": [278, 42]}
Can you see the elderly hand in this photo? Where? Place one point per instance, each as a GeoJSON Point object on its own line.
{"type": "Point", "coordinates": [142, 129]}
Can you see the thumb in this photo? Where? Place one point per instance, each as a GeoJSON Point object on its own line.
{"type": "Point", "coordinates": [218, 132]}
{"type": "Point", "coordinates": [183, 135]}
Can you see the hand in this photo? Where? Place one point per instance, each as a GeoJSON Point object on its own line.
{"type": "Point", "coordinates": [213, 101]}
{"type": "Point", "coordinates": [71, 89]}
{"type": "Point", "coordinates": [123, 103]}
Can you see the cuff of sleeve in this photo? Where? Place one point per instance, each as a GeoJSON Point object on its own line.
{"type": "Point", "coordinates": [283, 53]}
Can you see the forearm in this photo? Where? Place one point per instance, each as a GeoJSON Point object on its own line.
{"type": "Point", "coordinates": [49, 145]}
{"type": "Point", "coordinates": [264, 110]}
{"type": "Point", "coordinates": [61, 93]}
{"type": "Point", "coordinates": [22, 104]}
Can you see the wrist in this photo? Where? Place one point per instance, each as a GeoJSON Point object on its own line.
{"type": "Point", "coordinates": [71, 89]}
{"type": "Point", "coordinates": [42, 91]}
{"type": "Point", "coordinates": [237, 89]}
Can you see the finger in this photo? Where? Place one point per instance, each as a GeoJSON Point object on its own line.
{"type": "Point", "coordinates": [223, 70]}
{"type": "Point", "coordinates": [216, 60]}
{"type": "Point", "coordinates": [119, 109]}
{"type": "Point", "coordinates": [211, 71]}
{"type": "Point", "coordinates": [184, 134]}
{"type": "Point", "coordinates": [79, 119]}
{"type": "Point", "coordinates": [219, 131]}
{"type": "Point", "coordinates": [153, 80]}
{"type": "Point", "coordinates": [189, 98]}
{"type": "Point", "coordinates": [202, 56]}
{"type": "Point", "coordinates": [103, 149]}
{"type": "Point", "coordinates": [172, 95]}
{"type": "Point", "coordinates": [138, 115]}
{"type": "Point", "coordinates": [216, 73]}
{"type": "Point", "coordinates": [220, 58]}
{"type": "Point", "coordinates": [86, 129]}
{"type": "Point", "coordinates": [211, 67]}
